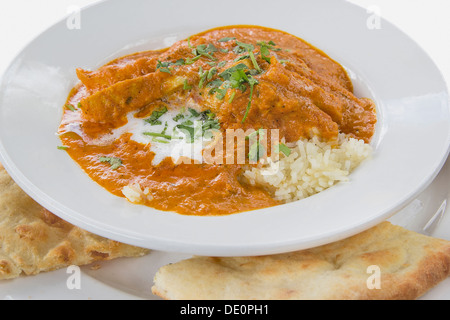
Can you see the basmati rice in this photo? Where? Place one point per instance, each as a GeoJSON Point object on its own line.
{"type": "Point", "coordinates": [311, 167]}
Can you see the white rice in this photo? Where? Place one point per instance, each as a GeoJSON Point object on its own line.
{"type": "Point", "coordinates": [135, 194]}
{"type": "Point", "coordinates": [312, 167]}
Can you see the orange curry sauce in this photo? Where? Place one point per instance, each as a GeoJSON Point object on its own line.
{"type": "Point", "coordinates": [298, 88]}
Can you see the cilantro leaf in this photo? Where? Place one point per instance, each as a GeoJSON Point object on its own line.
{"type": "Point", "coordinates": [70, 107]}
{"type": "Point", "coordinates": [153, 120]}
{"type": "Point", "coordinates": [237, 78]}
{"type": "Point", "coordinates": [194, 112]}
{"type": "Point", "coordinates": [156, 134]}
{"type": "Point", "coordinates": [284, 149]}
{"type": "Point", "coordinates": [256, 149]}
{"type": "Point", "coordinates": [178, 117]}
{"type": "Point", "coordinates": [226, 39]}
{"type": "Point", "coordinates": [226, 75]}
{"type": "Point", "coordinates": [206, 119]}
{"type": "Point", "coordinates": [255, 63]}
{"type": "Point", "coordinates": [186, 85]}
{"type": "Point", "coordinates": [265, 47]}
{"type": "Point", "coordinates": [233, 94]}
{"type": "Point", "coordinates": [115, 163]}
{"type": "Point", "coordinates": [265, 54]}
{"type": "Point", "coordinates": [221, 93]}
{"type": "Point", "coordinates": [252, 82]}
{"type": "Point", "coordinates": [205, 50]}
{"type": "Point", "coordinates": [189, 129]}
{"type": "Point", "coordinates": [245, 46]}
{"type": "Point", "coordinates": [163, 66]}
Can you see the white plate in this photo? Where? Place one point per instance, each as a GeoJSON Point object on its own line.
{"type": "Point", "coordinates": [411, 143]}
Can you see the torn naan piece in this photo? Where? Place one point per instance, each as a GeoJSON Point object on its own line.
{"type": "Point", "coordinates": [33, 240]}
{"type": "Point", "coordinates": [384, 262]}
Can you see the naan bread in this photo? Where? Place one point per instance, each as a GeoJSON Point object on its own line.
{"type": "Point", "coordinates": [33, 240]}
{"type": "Point", "coordinates": [409, 264]}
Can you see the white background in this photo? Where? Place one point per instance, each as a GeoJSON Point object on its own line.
{"type": "Point", "coordinates": [426, 21]}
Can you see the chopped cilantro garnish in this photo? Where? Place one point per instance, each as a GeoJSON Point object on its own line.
{"type": "Point", "coordinates": [179, 62]}
{"type": "Point", "coordinates": [284, 149]}
{"type": "Point", "coordinates": [194, 112]}
{"type": "Point", "coordinates": [156, 134]}
{"type": "Point", "coordinates": [215, 83]}
{"type": "Point", "coordinates": [189, 43]}
{"type": "Point", "coordinates": [190, 131]}
{"type": "Point", "coordinates": [186, 85]}
{"type": "Point", "coordinates": [203, 75]}
{"type": "Point", "coordinates": [255, 63]}
{"type": "Point", "coordinates": [161, 134]}
{"type": "Point", "coordinates": [226, 39]}
{"type": "Point", "coordinates": [207, 115]}
{"type": "Point", "coordinates": [249, 48]}
{"type": "Point", "coordinates": [221, 93]}
{"type": "Point", "coordinates": [232, 97]}
{"type": "Point", "coordinates": [160, 140]}
{"type": "Point", "coordinates": [205, 50]}
{"type": "Point", "coordinates": [215, 87]}
{"type": "Point", "coordinates": [211, 48]}
{"type": "Point", "coordinates": [194, 123]}
{"type": "Point", "coordinates": [70, 107]}
{"type": "Point", "coordinates": [238, 50]}
{"type": "Point", "coordinates": [62, 147]}
{"type": "Point", "coordinates": [252, 81]}
{"type": "Point", "coordinates": [226, 75]}
{"type": "Point", "coordinates": [187, 123]}
{"type": "Point", "coordinates": [265, 54]}
{"type": "Point", "coordinates": [265, 47]}
{"type": "Point", "coordinates": [206, 119]}
{"type": "Point", "coordinates": [211, 73]}
{"type": "Point", "coordinates": [255, 134]}
{"type": "Point", "coordinates": [163, 66]}
{"type": "Point", "coordinates": [243, 57]}
{"type": "Point", "coordinates": [210, 124]}
{"type": "Point", "coordinates": [246, 46]}
{"type": "Point", "coordinates": [238, 78]}
{"type": "Point", "coordinates": [166, 125]}
{"type": "Point", "coordinates": [256, 149]}
{"type": "Point", "coordinates": [153, 120]}
{"type": "Point", "coordinates": [270, 45]}
{"type": "Point", "coordinates": [178, 117]}
{"type": "Point", "coordinates": [115, 163]}
{"type": "Point", "coordinates": [192, 60]}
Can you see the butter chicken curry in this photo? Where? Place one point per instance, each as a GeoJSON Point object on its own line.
{"type": "Point", "coordinates": [120, 121]}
